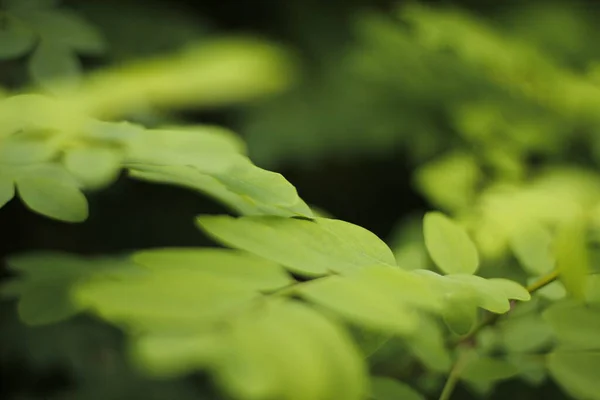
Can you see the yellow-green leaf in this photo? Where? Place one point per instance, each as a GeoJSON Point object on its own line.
{"type": "Point", "coordinates": [449, 245]}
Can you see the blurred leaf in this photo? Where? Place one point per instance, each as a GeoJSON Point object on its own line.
{"type": "Point", "coordinates": [15, 150]}
{"type": "Point", "coordinates": [51, 63]}
{"type": "Point", "coordinates": [224, 71]}
{"type": "Point", "coordinates": [525, 334]}
{"type": "Point", "coordinates": [66, 29]}
{"type": "Point", "coordinates": [449, 245]}
{"type": "Point", "coordinates": [360, 304]}
{"type": "Point", "coordinates": [94, 167]}
{"type": "Point", "coordinates": [577, 326]}
{"type": "Point", "coordinates": [238, 266]}
{"type": "Point", "coordinates": [45, 281]}
{"type": "Point", "coordinates": [312, 248]}
{"type": "Point", "coordinates": [593, 292]}
{"type": "Point", "coordinates": [576, 372]}
{"type": "Point", "coordinates": [429, 346]}
{"type": "Point", "coordinates": [488, 370]}
{"type": "Point", "coordinates": [572, 259]}
{"type": "Point", "coordinates": [390, 389]}
{"type": "Point", "coordinates": [490, 295]}
{"type": "Point", "coordinates": [7, 190]}
{"type": "Point", "coordinates": [47, 190]}
{"type": "Point", "coordinates": [16, 39]}
{"type": "Point", "coordinates": [449, 182]}
{"type": "Point", "coordinates": [532, 247]}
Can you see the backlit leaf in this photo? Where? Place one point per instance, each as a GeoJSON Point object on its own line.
{"type": "Point", "coordinates": [572, 258]}
{"type": "Point", "coordinates": [47, 191]}
{"type": "Point", "coordinates": [383, 388]}
{"type": "Point", "coordinates": [449, 245]}
{"type": "Point", "coordinates": [274, 194]}
{"type": "Point", "coordinates": [94, 167]}
{"type": "Point", "coordinates": [359, 304]}
{"type": "Point", "coordinates": [576, 372]}
{"type": "Point", "coordinates": [312, 248]}
{"type": "Point", "coordinates": [245, 268]}
{"type": "Point", "coordinates": [532, 247]}
{"type": "Point", "coordinates": [511, 289]}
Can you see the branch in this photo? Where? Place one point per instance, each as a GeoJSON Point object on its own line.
{"type": "Point", "coordinates": [489, 320]}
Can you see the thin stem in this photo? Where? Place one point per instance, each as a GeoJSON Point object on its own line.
{"type": "Point", "coordinates": [490, 319]}
{"type": "Point", "coordinates": [454, 376]}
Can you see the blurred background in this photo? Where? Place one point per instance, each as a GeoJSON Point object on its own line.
{"type": "Point", "coordinates": [400, 107]}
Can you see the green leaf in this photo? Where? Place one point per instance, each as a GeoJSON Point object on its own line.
{"type": "Point", "coordinates": [48, 190]}
{"type": "Point", "coordinates": [7, 190]}
{"type": "Point", "coordinates": [449, 245]}
{"type": "Point", "coordinates": [449, 182]}
{"type": "Point", "coordinates": [460, 313]}
{"type": "Point", "coordinates": [209, 149]}
{"type": "Point", "coordinates": [593, 289]}
{"type": "Point", "coordinates": [428, 344]}
{"type": "Point", "coordinates": [486, 370]}
{"type": "Point", "coordinates": [67, 29]}
{"type": "Point", "coordinates": [52, 64]}
{"type": "Point", "coordinates": [174, 300]}
{"type": "Point", "coordinates": [576, 325]}
{"type": "Point", "coordinates": [531, 245]}
{"type": "Point", "coordinates": [17, 151]}
{"type": "Point", "coordinates": [490, 295]}
{"type": "Point", "coordinates": [360, 304]}
{"type": "Point", "coordinates": [390, 389]}
{"type": "Point", "coordinates": [576, 372]}
{"type": "Point", "coordinates": [274, 194]}
{"type": "Point", "coordinates": [572, 258]}
{"type": "Point", "coordinates": [45, 280]}
{"type": "Point", "coordinates": [511, 289]}
{"type": "Point", "coordinates": [525, 334]}
{"type": "Point", "coordinates": [252, 356]}
{"type": "Point", "coordinates": [94, 167]}
{"type": "Point", "coordinates": [46, 303]}
{"type": "Point", "coordinates": [16, 39]}
{"type": "Point", "coordinates": [311, 248]}
{"type": "Point", "coordinates": [238, 266]}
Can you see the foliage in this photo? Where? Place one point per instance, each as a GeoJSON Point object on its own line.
{"type": "Point", "coordinates": [294, 305]}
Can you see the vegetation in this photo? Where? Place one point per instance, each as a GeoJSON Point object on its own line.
{"type": "Point", "coordinates": [496, 281]}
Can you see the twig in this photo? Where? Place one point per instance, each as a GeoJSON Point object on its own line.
{"type": "Point", "coordinates": [490, 319]}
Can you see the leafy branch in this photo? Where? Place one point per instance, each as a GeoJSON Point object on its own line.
{"type": "Point", "coordinates": [467, 340]}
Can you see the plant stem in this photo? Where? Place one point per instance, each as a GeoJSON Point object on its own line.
{"type": "Point", "coordinates": [490, 319]}
{"type": "Point", "coordinates": [454, 376]}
